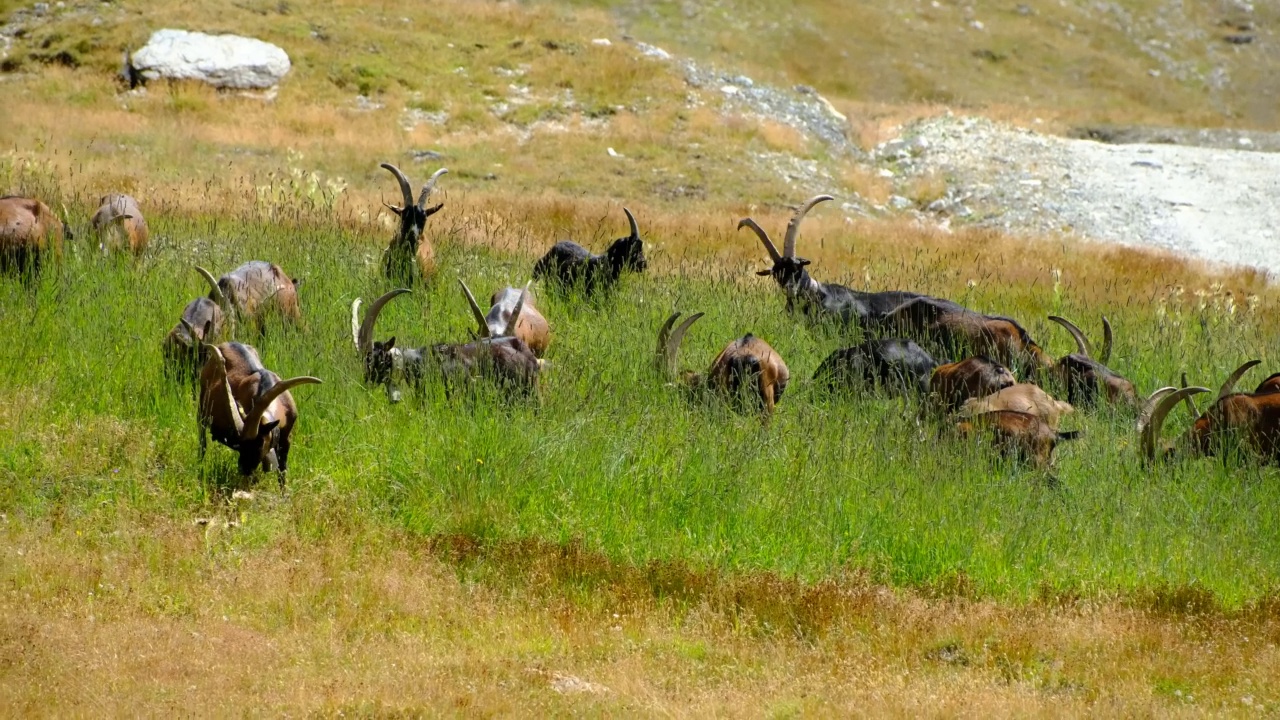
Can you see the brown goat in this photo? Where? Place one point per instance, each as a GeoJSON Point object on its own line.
{"type": "Point", "coordinates": [410, 253]}
{"type": "Point", "coordinates": [1017, 434]}
{"type": "Point", "coordinates": [747, 363]}
{"type": "Point", "coordinates": [1083, 375]}
{"type": "Point", "coordinates": [1023, 397]}
{"type": "Point", "coordinates": [1252, 418]}
{"type": "Point", "coordinates": [507, 304]}
{"type": "Point", "coordinates": [234, 379]}
{"type": "Point", "coordinates": [976, 377]}
{"type": "Point", "coordinates": [252, 290]}
{"type": "Point", "coordinates": [953, 329]}
{"type": "Point", "coordinates": [119, 221]}
{"type": "Point", "coordinates": [28, 230]}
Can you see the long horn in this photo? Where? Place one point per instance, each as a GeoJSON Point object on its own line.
{"type": "Point", "coordinates": [1229, 386]}
{"type": "Point", "coordinates": [430, 187]}
{"type": "Point", "coordinates": [1151, 432]}
{"type": "Point", "coordinates": [233, 406]}
{"type": "Point", "coordinates": [260, 404]}
{"type": "Point", "coordinates": [1106, 341]}
{"type": "Point", "coordinates": [1082, 343]}
{"type": "Point", "coordinates": [764, 238]}
{"type": "Point", "coordinates": [1191, 403]}
{"type": "Point", "coordinates": [793, 227]}
{"type": "Point", "coordinates": [510, 331]}
{"type": "Point", "coordinates": [214, 289]}
{"type": "Point", "coordinates": [671, 348]}
{"type": "Point", "coordinates": [405, 190]}
{"type": "Point", "coordinates": [631, 220]}
{"type": "Point", "coordinates": [364, 339]}
{"type": "Point", "coordinates": [476, 311]}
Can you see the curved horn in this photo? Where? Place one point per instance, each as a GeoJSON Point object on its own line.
{"type": "Point", "coordinates": [1190, 402]}
{"type": "Point", "coordinates": [1082, 343]}
{"type": "Point", "coordinates": [764, 238]}
{"type": "Point", "coordinates": [364, 337]}
{"type": "Point", "coordinates": [233, 406]}
{"type": "Point", "coordinates": [260, 404]}
{"type": "Point", "coordinates": [214, 290]}
{"type": "Point", "coordinates": [1151, 432]}
{"type": "Point", "coordinates": [429, 187]}
{"type": "Point", "coordinates": [671, 346]}
{"type": "Point", "coordinates": [510, 331]}
{"type": "Point", "coordinates": [405, 190]}
{"type": "Point", "coordinates": [793, 227]}
{"type": "Point", "coordinates": [631, 221]}
{"type": "Point", "coordinates": [1106, 341]}
{"type": "Point", "coordinates": [1229, 386]}
{"type": "Point", "coordinates": [476, 311]}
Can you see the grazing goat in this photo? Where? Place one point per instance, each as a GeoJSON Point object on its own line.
{"type": "Point", "coordinates": [976, 377]}
{"type": "Point", "coordinates": [1252, 418]}
{"type": "Point", "coordinates": [252, 290]}
{"type": "Point", "coordinates": [28, 230]}
{"type": "Point", "coordinates": [746, 365]}
{"type": "Point", "coordinates": [820, 300]}
{"type": "Point", "coordinates": [1018, 434]}
{"type": "Point", "coordinates": [951, 329]}
{"type": "Point", "coordinates": [506, 305]}
{"type": "Point", "coordinates": [410, 254]}
{"type": "Point", "coordinates": [234, 379]}
{"type": "Point", "coordinates": [1270, 385]}
{"type": "Point", "coordinates": [383, 361]}
{"type": "Point", "coordinates": [1023, 397]}
{"type": "Point", "coordinates": [569, 265]}
{"type": "Point", "coordinates": [119, 221]}
{"type": "Point", "coordinates": [186, 345]}
{"type": "Point", "coordinates": [1083, 375]}
{"type": "Point", "coordinates": [894, 361]}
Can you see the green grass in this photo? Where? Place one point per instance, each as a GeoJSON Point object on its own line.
{"type": "Point", "coordinates": [610, 458]}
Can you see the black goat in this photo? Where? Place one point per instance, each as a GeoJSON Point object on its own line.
{"type": "Point", "coordinates": [1084, 375]}
{"type": "Point", "coordinates": [894, 362]}
{"type": "Point", "coordinates": [569, 265]}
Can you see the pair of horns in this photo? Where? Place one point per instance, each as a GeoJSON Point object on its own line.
{"type": "Point", "coordinates": [1083, 346]}
{"type": "Point", "coordinates": [247, 424]}
{"type": "Point", "coordinates": [406, 190]}
{"type": "Point", "coordinates": [793, 229]}
{"type": "Point", "coordinates": [667, 354]}
{"type": "Point", "coordinates": [216, 294]}
{"type": "Point", "coordinates": [484, 329]}
{"type": "Point", "coordinates": [1162, 401]}
{"type": "Point", "coordinates": [362, 332]}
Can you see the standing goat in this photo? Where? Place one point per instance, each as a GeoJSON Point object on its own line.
{"type": "Point", "coordinates": [252, 290]}
{"type": "Point", "coordinates": [820, 300]}
{"type": "Point", "coordinates": [28, 230]}
{"type": "Point", "coordinates": [746, 365]}
{"type": "Point", "coordinates": [894, 362]}
{"type": "Point", "coordinates": [383, 361]}
{"type": "Point", "coordinates": [411, 256]}
{"type": "Point", "coordinates": [1083, 375]}
{"type": "Point", "coordinates": [233, 379]}
{"type": "Point", "coordinates": [567, 264]}
{"type": "Point", "coordinates": [119, 222]}
{"type": "Point", "coordinates": [1253, 418]}
{"type": "Point", "coordinates": [951, 329]}
{"type": "Point", "coordinates": [511, 313]}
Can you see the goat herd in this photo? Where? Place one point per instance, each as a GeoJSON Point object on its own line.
{"type": "Point", "coordinates": [249, 408]}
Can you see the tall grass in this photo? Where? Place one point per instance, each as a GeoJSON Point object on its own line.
{"type": "Point", "coordinates": [609, 457]}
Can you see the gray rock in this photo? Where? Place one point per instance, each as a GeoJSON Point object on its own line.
{"type": "Point", "coordinates": [224, 61]}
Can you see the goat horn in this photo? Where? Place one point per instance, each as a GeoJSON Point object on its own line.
{"type": "Point", "coordinates": [430, 187]}
{"type": "Point", "coordinates": [1190, 402]}
{"type": "Point", "coordinates": [214, 289]}
{"type": "Point", "coordinates": [1229, 386]}
{"type": "Point", "coordinates": [664, 332]}
{"type": "Point", "coordinates": [515, 314]}
{"type": "Point", "coordinates": [631, 220]}
{"type": "Point", "coordinates": [234, 407]}
{"type": "Point", "coordinates": [405, 190]}
{"type": "Point", "coordinates": [1168, 401]}
{"type": "Point", "coordinates": [764, 238]}
{"type": "Point", "coordinates": [1082, 343]}
{"type": "Point", "coordinates": [261, 404]}
{"type": "Point", "coordinates": [1106, 340]}
{"type": "Point", "coordinates": [355, 325]}
{"type": "Point", "coordinates": [191, 332]}
{"type": "Point", "coordinates": [364, 338]}
{"type": "Point", "coordinates": [475, 310]}
{"type": "Point", "coordinates": [672, 349]}
{"type": "Point", "coordinates": [793, 227]}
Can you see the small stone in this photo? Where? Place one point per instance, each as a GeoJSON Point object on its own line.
{"type": "Point", "coordinates": [900, 203]}
{"type": "Point", "coordinates": [977, 25]}
{"type": "Point", "coordinates": [41, 9]}
{"type": "Point", "coordinates": [602, 42]}
{"type": "Point", "coordinates": [1245, 142]}
{"type": "Point", "coordinates": [886, 173]}
{"type": "Point", "coordinates": [728, 89]}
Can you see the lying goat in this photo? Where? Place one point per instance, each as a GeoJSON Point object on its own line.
{"type": "Point", "coordinates": [951, 329]}
{"type": "Point", "coordinates": [568, 265]}
{"type": "Point", "coordinates": [1083, 375]}
{"type": "Point", "coordinates": [820, 300]}
{"type": "Point", "coordinates": [1017, 434]}
{"type": "Point", "coordinates": [976, 377]}
{"type": "Point", "coordinates": [383, 361]}
{"type": "Point", "coordinates": [119, 222]}
{"type": "Point", "coordinates": [233, 379]}
{"type": "Point", "coordinates": [896, 362]}
{"type": "Point", "coordinates": [28, 231]}
{"type": "Point", "coordinates": [252, 290]}
{"type": "Point", "coordinates": [506, 305]}
{"type": "Point", "coordinates": [1023, 397]}
{"type": "Point", "coordinates": [746, 365]}
{"type": "Point", "coordinates": [1254, 418]}
{"type": "Point", "coordinates": [411, 256]}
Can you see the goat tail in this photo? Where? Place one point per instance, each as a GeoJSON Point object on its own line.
{"type": "Point", "coordinates": [1071, 435]}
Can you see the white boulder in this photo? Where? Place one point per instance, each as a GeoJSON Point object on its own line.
{"type": "Point", "coordinates": [224, 61]}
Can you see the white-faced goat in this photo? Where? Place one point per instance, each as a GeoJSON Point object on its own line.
{"type": "Point", "coordinates": [894, 362]}
{"type": "Point", "coordinates": [384, 362]}
{"type": "Point", "coordinates": [747, 367]}
{"type": "Point", "coordinates": [119, 223]}
{"type": "Point", "coordinates": [28, 231]}
{"type": "Point", "coordinates": [411, 256]}
{"type": "Point", "coordinates": [234, 379]}
{"type": "Point", "coordinates": [820, 300]}
{"type": "Point", "coordinates": [253, 290]}
{"type": "Point", "coordinates": [1251, 420]}
{"type": "Point", "coordinates": [186, 345]}
{"type": "Point", "coordinates": [511, 313]}
{"type": "Point", "coordinates": [1084, 376]}
{"type": "Point", "coordinates": [569, 265]}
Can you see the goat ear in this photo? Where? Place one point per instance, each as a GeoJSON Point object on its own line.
{"type": "Point", "coordinates": [266, 428]}
{"type": "Point", "coordinates": [390, 343]}
{"type": "Point", "coordinates": [764, 273]}
{"type": "Point", "coordinates": [802, 262]}
{"type": "Point", "coordinates": [297, 282]}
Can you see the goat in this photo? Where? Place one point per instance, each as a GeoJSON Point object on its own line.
{"type": "Point", "coordinates": [1023, 397]}
{"type": "Point", "coordinates": [820, 300]}
{"type": "Point", "coordinates": [383, 361]}
{"type": "Point", "coordinates": [28, 230]}
{"type": "Point", "coordinates": [952, 329]}
{"type": "Point", "coordinates": [253, 289]}
{"type": "Point", "coordinates": [567, 264]}
{"type": "Point", "coordinates": [976, 377]}
{"type": "Point", "coordinates": [1083, 375]}
{"type": "Point", "coordinates": [506, 305]}
{"type": "Point", "coordinates": [893, 361]}
{"type": "Point", "coordinates": [1270, 385]}
{"type": "Point", "coordinates": [119, 221]}
{"type": "Point", "coordinates": [1019, 434]}
{"type": "Point", "coordinates": [186, 345]}
{"type": "Point", "coordinates": [410, 254]}
{"type": "Point", "coordinates": [1254, 418]}
{"type": "Point", "coordinates": [233, 379]}
{"type": "Point", "coordinates": [747, 364]}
